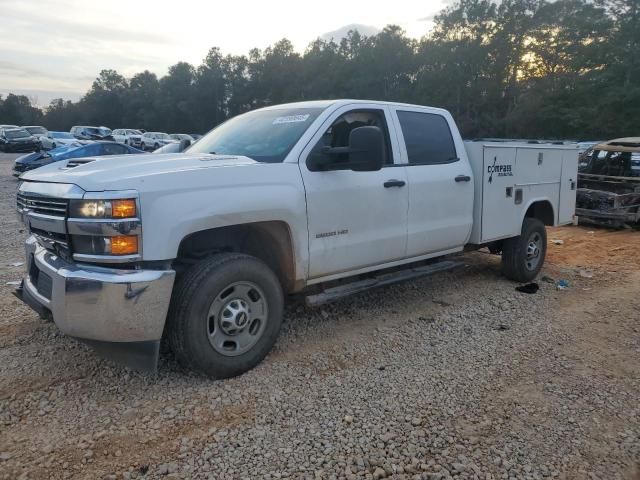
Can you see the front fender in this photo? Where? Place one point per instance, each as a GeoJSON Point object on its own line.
{"type": "Point", "coordinates": [198, 200]}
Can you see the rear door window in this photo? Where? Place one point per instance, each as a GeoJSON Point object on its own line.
{"type": "Point", "coordinates": [427, 137]}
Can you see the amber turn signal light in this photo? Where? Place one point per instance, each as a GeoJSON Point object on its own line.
{"type": "Point", "coordinates": [123, 208]}
{"type": "Point", "coordinates": [124, 245]}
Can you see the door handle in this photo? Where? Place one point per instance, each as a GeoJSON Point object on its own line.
{"type": "Point", "coordinates": [463, 178]}
{"type": "Point", "coordinates": [394, 183]}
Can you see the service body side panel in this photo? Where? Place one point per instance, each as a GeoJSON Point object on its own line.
{"type": "Point", "coordinates": [568, 185]}
{"type": "Point", "coordinates": [511, 177]}
{"type": "Point", "coordinates": [500, 212]}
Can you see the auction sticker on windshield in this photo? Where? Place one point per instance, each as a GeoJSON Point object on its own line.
{"type": "Point", "coordinates": [291, 119]}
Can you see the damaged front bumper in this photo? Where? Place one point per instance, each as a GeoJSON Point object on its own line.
{"type": "Point", "coordinates": [121, 313]}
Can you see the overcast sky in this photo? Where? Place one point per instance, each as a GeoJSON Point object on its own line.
{"type": "Point", "coordinates": [55, 48]}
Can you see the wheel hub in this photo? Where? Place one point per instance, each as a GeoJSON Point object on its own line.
{"type": "Point", "coordinates": [235, 316]}
{"type": "Point", "coordinates": [534, 251]}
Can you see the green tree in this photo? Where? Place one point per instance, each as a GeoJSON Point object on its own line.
{"type": "Point", "coordinates": [17, 109]}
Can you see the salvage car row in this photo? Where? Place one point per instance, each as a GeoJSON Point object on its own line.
{"type": "Point", "coordinates": [32, 138]}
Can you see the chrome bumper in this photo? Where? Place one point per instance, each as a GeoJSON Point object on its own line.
{"type": "Point", "coordinates": [119, 312]}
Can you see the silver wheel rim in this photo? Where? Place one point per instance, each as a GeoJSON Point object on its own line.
{"type": "Point", "coordinates": [237, 318]}
{"type": "Point", "coordinates": [534, 251]}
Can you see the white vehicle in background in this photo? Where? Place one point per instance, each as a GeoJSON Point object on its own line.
{"type": "Point", "coordinates": [128, 136]}
{"type": "Point", "coordinates": [204, 246]}
{"type": "Point", "coordinates": [59, 139]}
{"type": "Point", "coordinates": [155, 140]}
{"type": "Point", "coordinates": [182, 136]}
{"type": "Point", "coordinates": [41, 134]}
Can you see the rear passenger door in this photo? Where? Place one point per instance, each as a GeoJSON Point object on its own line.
{"type": "Point", "coordinates": [440, 183]}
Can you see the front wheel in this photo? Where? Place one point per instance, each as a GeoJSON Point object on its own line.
{"type": "Point", "coordinates": [225, 315]}
{"type": "Point", "coordinates": [523, 256]}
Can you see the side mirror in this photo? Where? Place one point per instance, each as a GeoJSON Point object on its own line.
{"type": "Point", "coordinates": [366, 147]}
{"type": "Point", "coordinates": [365, 153]}
{"type": "Point", "coordinates": [184, 144]}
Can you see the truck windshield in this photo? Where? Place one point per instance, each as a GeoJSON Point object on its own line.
{"type": "Point", "coordinates": [262, 135]}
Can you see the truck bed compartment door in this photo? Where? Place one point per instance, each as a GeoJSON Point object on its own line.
{"type": "Point", "coordinates": [568, 186]}
{"type": "Point", "coordinates": [500, 212]}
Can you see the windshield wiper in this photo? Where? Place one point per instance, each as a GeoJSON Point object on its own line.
{"type": "Point", "coordinates": [212, 153]}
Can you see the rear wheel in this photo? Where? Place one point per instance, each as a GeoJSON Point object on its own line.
{"type": "Point", "coordinates": [523, 256]}
{"type": "Point", "coordinates": [225, 315]}
{"type": "Point", "coordinates": [143, 146]}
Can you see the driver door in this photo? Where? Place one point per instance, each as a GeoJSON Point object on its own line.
{"type": "Point", "coordinates": [355, 219]}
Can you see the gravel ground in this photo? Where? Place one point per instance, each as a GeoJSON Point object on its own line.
{"type": "Point", "coordinates": [454, 376]}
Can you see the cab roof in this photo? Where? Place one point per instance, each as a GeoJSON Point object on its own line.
{"type": "Point", "coordinates": [338, 102]}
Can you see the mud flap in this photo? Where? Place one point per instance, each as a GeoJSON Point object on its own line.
{"type": "Point", "coordinates": [142, 356]}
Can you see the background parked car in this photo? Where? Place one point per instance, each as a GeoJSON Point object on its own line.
{"type": "Point", "coordinates": [95, 149]}
{"type": "Point", "coordinates": [9, 126]}
{"type": "Point", "coordinates": [128, 136]}
{"type": "Point", "coordinates": [182, 136]}
{"type": "Point", "coordinates": [59, 139]}
{"type": "Point", "coordinates": [195, 136]}
{"type": "Point", "coordinates": [41, 134]}
{"type": "Point", "coordinates": [155, 140]}
{"type": "Point", "coordinates": [17, 140]}
{"type": "Point", "coordinates": [84, 132]}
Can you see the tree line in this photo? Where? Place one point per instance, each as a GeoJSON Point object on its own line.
{"type": "Point", "coordinates": [517, 68]}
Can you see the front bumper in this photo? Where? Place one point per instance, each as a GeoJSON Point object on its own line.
{"type": "Point", "coordinates": [121, 313]}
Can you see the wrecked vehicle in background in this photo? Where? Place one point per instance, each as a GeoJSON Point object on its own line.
{"type": "Point", "coordinates": [609, 184]}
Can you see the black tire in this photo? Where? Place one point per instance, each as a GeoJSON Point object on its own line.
{"type": "Point", "coordinates": [143, 147]}
{"type": "Point", "coordinates": [53, 145]}
{"type": "Point", "coordinates": [517, 257]}
{"type": "Point", "coordinates": [156, 146]}
{"type": "Point", "coordinates": [189, 323]}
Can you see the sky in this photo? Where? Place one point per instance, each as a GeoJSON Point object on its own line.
{"type": "Point", "coordinates": [56, 48]}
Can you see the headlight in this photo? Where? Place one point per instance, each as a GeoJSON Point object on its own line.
{"type": "Point", "coordinates": [125, 208]}
{"type": "Point", "coordinates": [105, 230]}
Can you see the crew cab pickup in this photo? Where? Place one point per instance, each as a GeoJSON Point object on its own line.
{"type": "Point", "coordinates": [203, 247]}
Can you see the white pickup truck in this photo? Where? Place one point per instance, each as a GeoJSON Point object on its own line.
{"type": "Point", "coordinates": [203, 246]}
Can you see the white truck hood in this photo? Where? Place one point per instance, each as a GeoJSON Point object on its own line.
{"type": "Point", "coordinates": [121, 172]}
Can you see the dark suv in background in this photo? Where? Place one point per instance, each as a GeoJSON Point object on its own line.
{"type": "Point", "coordinates": [17, 140]}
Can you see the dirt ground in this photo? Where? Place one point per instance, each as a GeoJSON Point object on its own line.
{"type": "Point", "coordinates": [555, 393]}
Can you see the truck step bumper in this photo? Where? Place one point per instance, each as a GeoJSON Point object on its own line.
{"type": "Point", "coordinates": [381, 280]}
{"type": "Point", "coordinates": [121, 313]}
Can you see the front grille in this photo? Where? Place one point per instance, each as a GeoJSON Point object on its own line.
{"type": "Point", "coordinates": [53, 237]}
{"type": "Point", "coordinates": [56, 207]}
